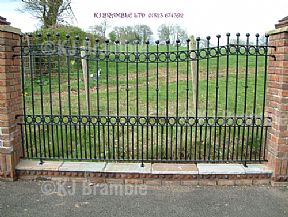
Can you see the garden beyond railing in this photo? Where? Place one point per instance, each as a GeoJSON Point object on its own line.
{"type": "Point", "coordinates": [180, 102]}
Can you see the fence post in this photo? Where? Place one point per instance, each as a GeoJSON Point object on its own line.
{"type": "Point", "coordinates": [85, 74]}
{"type": "Point", "coordinates": [193, 73]}
{"type": "Point", "coordinates": [277, 102]}
{"type": "Point", "coordinates": [10, 99]}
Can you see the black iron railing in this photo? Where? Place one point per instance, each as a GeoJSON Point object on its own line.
{"type": "Point", "coordinates": [152, 102]}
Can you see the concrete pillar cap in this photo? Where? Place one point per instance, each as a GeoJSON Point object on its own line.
{"type": "Point", "coordinates": [282, 23]}
{"type": "Point", "coordinates": [11, 29]}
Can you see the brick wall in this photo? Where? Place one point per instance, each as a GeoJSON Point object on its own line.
{"type": "Point", "coordinates": [277, 102]}
{"type": "Point", "coordinates": [10, 99]}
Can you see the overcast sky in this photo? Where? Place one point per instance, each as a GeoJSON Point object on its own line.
{"type": "Point", "coordinates": [200, 18]}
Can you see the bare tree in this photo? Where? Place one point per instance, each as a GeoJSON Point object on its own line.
{"type": "Point", "coordinates": [125, 33]}
{"type": "Point", "coordinates": [48, 12]}
{"type": "Point", "coordinates": [262, 40]}
{"type": "Point", "coordinates": [239, 41]}
{"type": "Point", "coordinates": [100, 30]}
{"type": "Point", "coordinates": [131, 33]}
{"type": "Point", "coordinates": [172, 32]}
{"type": "Point", "coordinates": [179, 33]}
{"type": "Point", "coordinates": [117, 31]}
{"type": "Point", "coordinates": [165, 31]}
{"type": "Point", "coordinates": [142, 33]}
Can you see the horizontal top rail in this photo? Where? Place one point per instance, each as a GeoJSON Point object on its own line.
{"type": "Point", "coordinates": [43, 50]}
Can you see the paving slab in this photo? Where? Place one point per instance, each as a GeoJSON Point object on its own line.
{"type": "Point", "coordinates": [83, 166]}
{"type": "Point", "coordinates": [204, 168]}
{"type": "Point", "coordinates": [162, 168]}
{"type": "Point", "coordinates": [36, 165]}
{"type": "Point", "coordinates": [127, 168]}
{"type": "Point", "coordinates": [256, 169]}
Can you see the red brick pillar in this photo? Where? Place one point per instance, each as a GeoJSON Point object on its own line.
{"type": "Point", "coordinates": [277, 102]}
{"type": "Point", "coordinates": [10, 100]}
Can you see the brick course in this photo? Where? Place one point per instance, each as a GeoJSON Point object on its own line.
{"type": "Point", "coordinates": [148, 179]}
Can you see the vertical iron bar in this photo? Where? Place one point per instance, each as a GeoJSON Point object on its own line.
{"type": "Point", "coordinates": [207, 100]}
{"type": "Point", "coordinates": [265, 142]}
{"type": "Point", "coordinates": [147, 138]}
{"type": "Point", "coordinates": [132, 140]}
{"type": "Point", "coordinates": [197, 95]}
{"type": "Point", "coordinates": [85, 140]}
{"type": "Point", "coordinates": [87, 52]}
{"type": "Point", "coordinates": [31, 55]}
{"type": "Point", "coordinates": [78, 59]}
{"type": "Point", "coordinates": [41, 95]}
{"type": "Point", "coordinates": [181, 142]}
{"type": "Point", "coordinates": [40, 142]}
{"type": "Point", "coordinates": [66, 140]}
{"type": "Point", "coordinates": [264, 99]}
{"type": "Point", "coordinates": [113, 141]}
{"type": "Point", "coordinates": [142, 145]}
{"type": "Point", "coordinates": [177, 100]}
{"type": "Point", "coordinates": [147, 98]}
{"type": "Point", "coordinates": [162, 142]}
{"type": "Point", "coordinates": [236, 94]}
{"type": "Point", "coordinates": [191, 141]}
{"type": "Point", "coordinates": [226, 92]}
{"type": "Point", "coordinates": [50, 90]}
{"type": "Point", "coordinates": [219, 142]}
{"type": "Point", "coordinates": [255, 93]}
{"type": "Point", "coordinates": [137, 93]}
{"type": "Point", "coordinates": [200, 142]}
{"type": "Point", "coordinates": [127, 99]}
{"type": "Point", "coordinates": [187, 93]}
{"type": "Point", "coordinates": [59, 91]}
{"type": "Point", "coordinates": [107, 93]}
{"type": "Point", "coordinates": [157, 96]}
{"type": "Point", "coordinates": [217, 96]}
{"type": "Point", "coordinates": [24, 138]}
{"type": "Point", "coordinates": [98, 97]}
{"type": "Point", "coordinates": [94, 141]}
{"type": "Point", "coordinates": [245, 92]}
{"type": "Point", "coordinates": [210, 143]}
{"type": "Point", "coordinates": [123, 141]}
{"type": "Point", "coordinates": [171, 143]}
{"type": "Point", "coordinates": [76, 139]}
{"type": "Point", "coordinates": [228, 146]}
{"type": "Point", "coordinates": [152, 144]}
{"type": "Point", "coordinates": [167, 94]}
{"type": "Point", "coordinates": [69, 93]}
{"type": "Point", "coordinates": [247, 144]}
{"type": "Point", "coordinates": [117, 94]}
{"type": "Point", "coordinates": [257, 135]}
{"type": "Point", "coordinates": [31, 142]}
{"type": "Point", "coordinates": [104, 141]}
{"type": "Point", "coordinates": [238, 141]}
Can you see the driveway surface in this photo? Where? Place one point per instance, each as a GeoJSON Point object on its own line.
{"type": "Point", "coordinates": [46, 198]}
